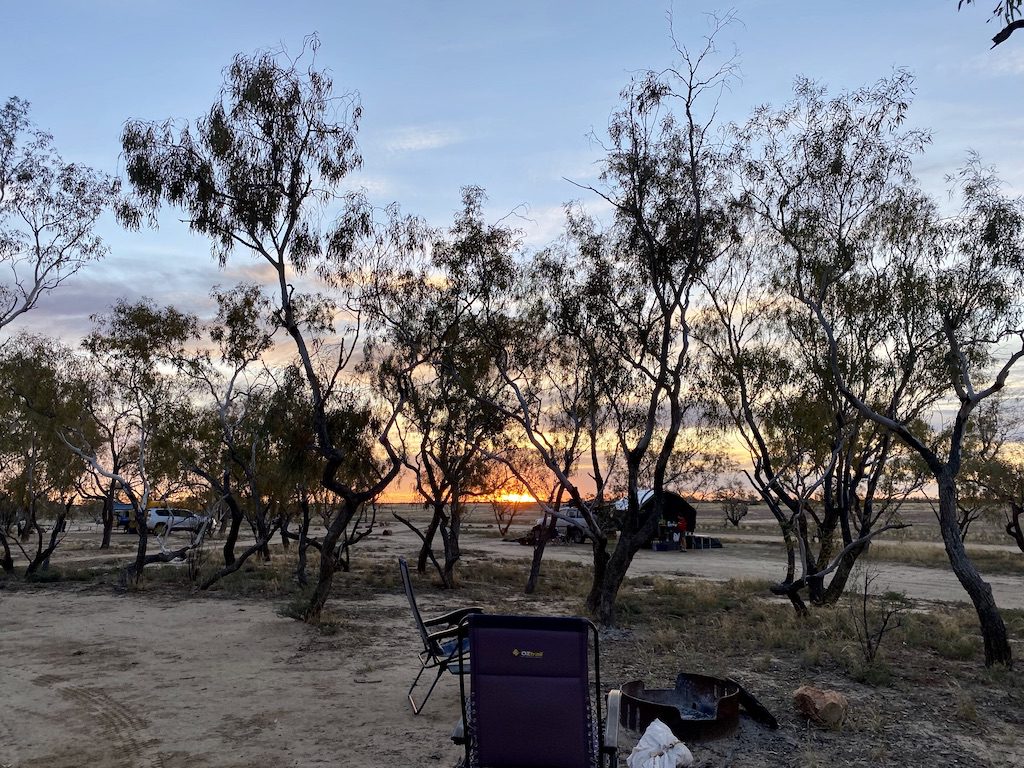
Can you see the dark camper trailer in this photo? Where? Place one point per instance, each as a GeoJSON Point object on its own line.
{"type": "Point", "coordinates": [677, 527]}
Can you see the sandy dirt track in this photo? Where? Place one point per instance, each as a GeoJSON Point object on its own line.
{"type": "Point", "coordinates": [142, 682]}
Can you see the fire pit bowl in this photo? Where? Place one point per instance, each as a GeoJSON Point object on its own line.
{"type": "Point", "coordinates": [699, 707]}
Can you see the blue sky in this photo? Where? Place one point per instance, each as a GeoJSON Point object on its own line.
{"type": "Point", "coordinates": [501, 95]}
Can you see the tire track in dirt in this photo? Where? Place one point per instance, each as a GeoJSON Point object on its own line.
{"type": "Point", "coordinates": [118, 725]}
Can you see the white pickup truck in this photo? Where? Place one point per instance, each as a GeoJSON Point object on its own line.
{"type": "Point", "coordinates": [161, 521]}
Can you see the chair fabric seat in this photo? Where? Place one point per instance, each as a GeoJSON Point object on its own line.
{"type": "Point", "coordinates": [529, 702]}
{"type": "Point", "coordinates": [582, 753]}
{"type": "Point", "coordinates": [452, 649]}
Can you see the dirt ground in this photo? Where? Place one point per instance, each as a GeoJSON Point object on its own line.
{"type": "Point", "coordinates": [158, 678]}
{"type": "Point", "coordinates": [107, 681]}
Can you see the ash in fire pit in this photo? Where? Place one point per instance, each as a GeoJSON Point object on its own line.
{"type": "Point", "coordinates": [699, 707]}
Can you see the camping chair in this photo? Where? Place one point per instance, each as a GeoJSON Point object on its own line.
{"type": "Point", "coordinates": [442, 649]}
{"type": "Point", "coordinates": [528, 701]}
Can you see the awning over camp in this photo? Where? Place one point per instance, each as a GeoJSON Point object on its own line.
{"type": "Point", "coordinates": [673, 506]}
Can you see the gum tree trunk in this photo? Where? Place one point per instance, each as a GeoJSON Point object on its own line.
{"type": "Point", "coordinates": [544, 535]}
{"type": "Point", "coordinates": [6, 561]}
{"type": "Point", "coordinates": [602, 600]}
{"type": "Point", "coordinates": [427, 546]}
{"type": "Point", "coordinates": [1013, 525]}
{"type": "Point", "coordinates": [837, 586]}
{"type": "Point", "coordinates": [107, 516]}
{"type": "Point", "coordinates": [452, 550]}
{"type": "Point", "coordinates": [236, 523]}
{"type": "Point", "coordinates": [328, 558]}
{"type": "Point", "coordinates": [300, 564]}
{"type": "Point", "coordinates": [606, 585]}
{"type": "Point", "coordinates": [993, 630]}
{"type": "Point", "coordinates": [601, 559]}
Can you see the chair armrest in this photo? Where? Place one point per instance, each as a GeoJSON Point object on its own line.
{"type": "Point", "coordinates": [459, 732]}
{"type": "Point", "coordinates": [611, 726]}
{"type": "Point", "coordinates": [452, 617]}
{"type": "Point", "coordinates": [443, 634]}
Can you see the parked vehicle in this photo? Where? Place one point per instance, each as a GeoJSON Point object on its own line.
{"type": "Point", "coordinates": [164, 520]}
{"type": "Point", "coordinates": [161, 521]}
{"type": "Point", "coordinates": [125, 516]}
{"type": "Point", "coordinates": [570, 525]}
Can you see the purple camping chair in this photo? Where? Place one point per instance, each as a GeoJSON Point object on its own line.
{"type": "Point", "coordinates": [529, 700]}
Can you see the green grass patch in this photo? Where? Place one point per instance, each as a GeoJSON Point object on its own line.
{"type": "Point", "coordinates": [951, 633]}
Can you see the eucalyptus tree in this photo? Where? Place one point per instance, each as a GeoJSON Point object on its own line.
{"type": "Point", "coordinates": [249, 434]}
{"type": "Point", "coordinates": [277, 464]}
{"type": "Point", "coordinates": [293, 472]}
{"type": "Point", "coordinates": [224, 437]}
{"type": "Point", "coordinates": [258, 173]}
{"type": "Point", "coordinates": [830, 182]}
{"type": "Point", "coordinates": [975, 275]}
{"type": "Point", "coordinates": [24, 430]}
{"type": "Point", "coordinates": [665, 178]}
{"type": "Point", "coordinates": [556, 408]}
{"type": "Point", "coordinates": [128, 387]}
{"type": "Point", "coordinates": [48, 212]}
{"type": "Point", "coordinates": [547, 397]}
{"type": "Point", "coordinates": [251, 444]}
{"type": "Point", "coordinates": [113, 443]}
{"type": "Point", "coordinates": [40, 476]}
{"type": "Point", "coordinates": [593, 347]}
{"type": "Point", "coordinates": [48, 215]}
{"type": "Point", "coordinates": [832, 478]}
{"type": "Point", "coordinates": [432, 351]}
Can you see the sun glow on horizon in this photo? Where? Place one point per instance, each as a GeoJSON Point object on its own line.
{"type": "Point", "coordinates": [517, 498]}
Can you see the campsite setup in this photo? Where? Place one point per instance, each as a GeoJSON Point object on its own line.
{"type": "Point", "coordinates": [490, 385]}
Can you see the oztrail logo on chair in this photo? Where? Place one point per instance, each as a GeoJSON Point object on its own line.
{"type": "Point", "coordinates": [528, 654]}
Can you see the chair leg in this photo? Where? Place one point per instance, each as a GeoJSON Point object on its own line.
{"type": "Point", "coordinates": [417, 709]}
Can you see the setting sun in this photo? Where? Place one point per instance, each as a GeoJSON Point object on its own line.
{"type": "Point", "coordinates": [517, 498]}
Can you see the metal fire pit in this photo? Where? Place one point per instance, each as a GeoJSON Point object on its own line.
{"type": "Point", "coordinates": [699, 707]}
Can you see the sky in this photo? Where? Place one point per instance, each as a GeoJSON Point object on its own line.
{"type": "Point", "coordinates": [506, 96]}
{"type": "Point", "coordinates": [511, 97]}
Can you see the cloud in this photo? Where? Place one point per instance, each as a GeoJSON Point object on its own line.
{"type": "Point", "coordinates": [165, 275]}
{"type": "Point", "coordinates": [373, 185]}
{"type": "Point", "coordinates": [1008, 63]}
{"type": "Point", "coordinates": [421, 138]}
{"type": "Point", "coordinates": [1004, 63]}
{"type": "Point", "coordinates": [257, 271]}
{"type": "Point", "coordinates": [541, 226]}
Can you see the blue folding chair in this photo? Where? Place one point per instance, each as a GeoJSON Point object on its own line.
{"type": "Point", "coordinates": [443, 651]}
